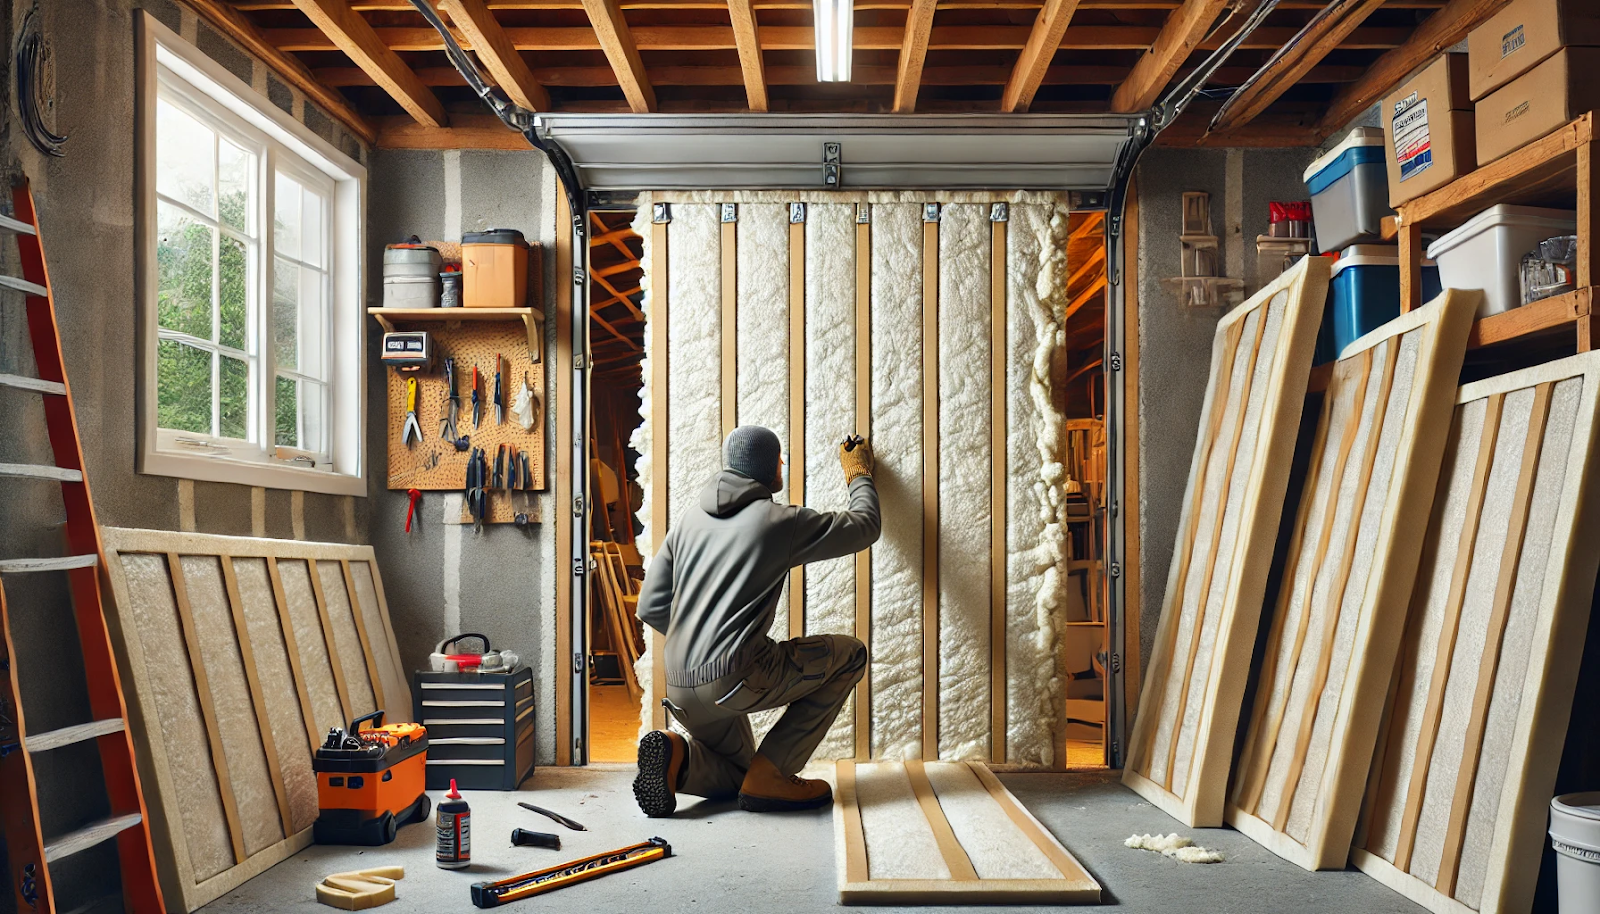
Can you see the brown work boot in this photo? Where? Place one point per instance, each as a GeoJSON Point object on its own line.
{"type": "Point", "coordinates": [766, 789]}
{"type": "Point", "coordinates": [662, 755]}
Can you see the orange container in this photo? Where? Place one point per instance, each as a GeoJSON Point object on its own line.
{"type": "Point", "coordinates": [494, 265]}
{"type": "Point", "coordinates": [370, 781]}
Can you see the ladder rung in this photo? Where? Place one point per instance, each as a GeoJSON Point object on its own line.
{"type": "Point", "coordinates": [64, 563]}
{"type": "Point", "coordinates": [16, 226]}
{"type": "Point", "coordinates": [38, 385]}
{"type": "Point", "coordinates": [40, 471]}
{"type": "Point", "coordinates": [22, 285]}
{"type": "Point", "coordinates": [88, 836]}
{"type": "Point", "coordinates": [66, 736]}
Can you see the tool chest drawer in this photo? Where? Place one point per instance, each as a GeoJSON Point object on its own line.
{"type": "Point", "coordinates": [480, 727]}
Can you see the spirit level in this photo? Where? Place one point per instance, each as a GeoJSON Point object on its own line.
{"type": "Point", "coordinates": [494, 894]}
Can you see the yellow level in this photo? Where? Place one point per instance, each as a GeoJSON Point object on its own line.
{"type": "Point", "coordinates": [516, 888]}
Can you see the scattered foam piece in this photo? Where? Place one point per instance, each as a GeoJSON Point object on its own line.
{"type": "Point", "coordinates": [360, 889]}
{"type": "Point", "coordinates": [1175, 846]}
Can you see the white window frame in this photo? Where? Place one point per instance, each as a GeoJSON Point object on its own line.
{"type": "Point", "coordinates": [166, 61]}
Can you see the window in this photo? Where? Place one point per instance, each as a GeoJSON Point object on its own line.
{"type": "Point", "coordinates": [252, 289]}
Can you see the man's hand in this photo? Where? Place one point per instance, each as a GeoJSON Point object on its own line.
{"type": "Point", "coordinates": [855, 456]}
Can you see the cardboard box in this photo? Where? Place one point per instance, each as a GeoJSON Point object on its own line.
{"type": "Point", "coordinates": [1428, 135]}
{"type": "Point", "coordinates": [1537, 102]}
{"type": "Point", "coordinates": [1524, 35]}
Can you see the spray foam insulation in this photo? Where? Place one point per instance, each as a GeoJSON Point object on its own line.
{"type": "Point", "coordinates": [1035, 522]}
{"type": "Point", "coordinates": [1446, 724]}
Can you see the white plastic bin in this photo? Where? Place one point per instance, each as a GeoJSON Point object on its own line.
{"type": "Point", "coordinates": [1575, 834]}
{"type": "Point", "coordinates": [1486, 253]}
{"type": "Point", "coordinates": [1349, 190]}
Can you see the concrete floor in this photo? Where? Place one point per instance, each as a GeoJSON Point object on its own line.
{"type": "Point", "coordinates": [729, 860]}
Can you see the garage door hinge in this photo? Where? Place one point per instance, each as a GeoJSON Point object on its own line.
{"type": "Point", "coordinates": [578, 567]}
{"type": "Point", "coordinates": [1116, 569]}
{"type": "Point", "coordinates": [832, 163]}
{"type": "Point", "coordinates": [577, 662]}
{"type": "Point", "coordinates": [580, 362]}
{"type": "Point", "coordinates": [661, 213]}
{"type": "Point", "coordinates": [1116, 663]}
{"type": "Point", "coordinates": [1116, 361]}
{"type": "Point", "coordinates": [578, 276]}
{"type": "Point", "coordinates": [577, 506]}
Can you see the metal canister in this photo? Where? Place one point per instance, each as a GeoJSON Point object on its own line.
{"type": "Point", "coordinates": [450, 289]}
{"type": "Point", "coordinates": [454, 823]}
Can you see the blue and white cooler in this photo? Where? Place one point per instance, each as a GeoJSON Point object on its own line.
{"type": "Point", "coordinates": [1349, 190]}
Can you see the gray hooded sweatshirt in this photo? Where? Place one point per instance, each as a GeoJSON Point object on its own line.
{"type": "Point", "coordinates": [713, 586]}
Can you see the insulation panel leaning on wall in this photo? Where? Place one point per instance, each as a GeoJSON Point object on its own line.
{"type": "Point", "coordinates": [1351, 563]}
{"type": "Point", "coordinates": [1458, 798]}
{"type": "Point", "coordinates": [883, 306]}
{"type": "Point", "coordinates": [238, 655]}
{"type": "Point", "coordinates": [1182, 740]}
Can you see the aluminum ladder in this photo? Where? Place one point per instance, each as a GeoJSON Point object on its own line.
{"type": "Point", "coordinates": [30, 851]}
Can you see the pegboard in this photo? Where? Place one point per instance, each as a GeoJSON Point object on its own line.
{"type": "Point", "coordinates": [469, 344]}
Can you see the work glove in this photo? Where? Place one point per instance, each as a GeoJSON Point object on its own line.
{"type": "Point", "coordinates": [856, 460]}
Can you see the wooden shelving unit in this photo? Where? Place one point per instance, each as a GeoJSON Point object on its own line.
{"type": "Point", "coordinates": [531, 318]}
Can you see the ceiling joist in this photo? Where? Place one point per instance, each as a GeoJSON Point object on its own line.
{"type": "Point", "coordinates": [402, 6]}
{"type": "Point", "coordinates": [914, 42]}
{"type": "Point", "coordinates": [351, 34]}
{"type": "Point", "coordinates": [498, 54]}
{"type": "Point", "coordinates": [1034, 62]}
{"type": "Point", "coordinates": [747, 36]}
{"type": "Point", "coordinates": [611, 34]}
{"type": "Point", "coordinates": [1183, 32]}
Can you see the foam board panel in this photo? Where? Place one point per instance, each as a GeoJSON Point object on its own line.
{"type": "Point", "coordinates": [1457, 801]}
{"type": "Point", "coordinates": [346, 641]}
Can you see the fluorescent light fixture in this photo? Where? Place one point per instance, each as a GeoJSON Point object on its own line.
{"type": "Point", "coordinates": [834, 22]}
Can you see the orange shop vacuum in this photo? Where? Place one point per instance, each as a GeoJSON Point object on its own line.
{"type": "Point", "coordinates": [370, 781]}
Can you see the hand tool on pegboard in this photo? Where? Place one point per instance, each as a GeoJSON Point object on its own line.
{"type": "Point", "coordinates": [477, 497]}
{"type": "Point", "coordinates": [452, 403]}
{"type": "Point", "coordinates": [499, 392]}
{"type": "Point", "coordinates": [538, 882]}
{"type": "Point", "coordinates": [477, 399]}
{"type": "Point", "coordinates": [413, 432]}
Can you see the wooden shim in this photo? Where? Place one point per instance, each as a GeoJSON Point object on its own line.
{"type": "Point", "coordinates": [863, 628]}
{"type": "Point", "coordinates": [208, 710]}
{"type": "Point", "coordinates": [1447, 634]}
{"type": "Point", "coordinates": [955, 856]}
{"type": "Point", "coordinates": [930, 486]}
{"type": "Point", "coordinates": [1510, 555]}
{"type": "Point", "coordinates": [291, 646]}
{"type": "Point", "coordinates": [660, 507]}
{"type": "Point", "coordinates": [796, 473]}
{"type": "Point", "coordinates": [999, 428]}
{"type": "Point", "coordinates": [230, 582]}
{"type": "Point", "coordinates": [334, 661]}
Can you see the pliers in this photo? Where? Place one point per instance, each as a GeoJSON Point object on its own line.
{"type": "Point", "coordinates": [477, 400]}
{"type": "Point", "coordinates": [412, 433]}
{"type": "Point", "coordinates": [499, 398]}
{"type": "Point", "coordinates": [452, 403]}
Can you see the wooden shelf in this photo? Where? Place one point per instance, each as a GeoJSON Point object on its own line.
{"type": "Point", "coordinates": [532, 318]}
{"type": "Point", "coordinates": [1543, 172]}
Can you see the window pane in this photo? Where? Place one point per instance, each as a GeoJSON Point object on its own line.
{"type": "Point", "coordinates": [312, 215]}
{"type": "Point", "coordinates": [287, 220]}
{"type": "Point", "coordinates": [286, 313]}
{"type": "Point", "coordinates": [234, 168]}
{"type": "Point", "coordinates": [183, 262]}
{"type": "Point", "coordinates": [183, 379]}
{"type": "Point", "coordinates": [313, 322]}
{"type": "Point", "coordinates": [233, 278]}
{"type": "Point", "coordinates": [233, 418]}
{"type": "Point", "coordinates": [185, 157]}
{"type": "Point", "coordinates": [299, 420]}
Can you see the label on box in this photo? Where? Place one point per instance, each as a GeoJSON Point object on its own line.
{"type": "Point", "coordinates": [1512, 41]}
{"type": "Point", "coordinates": [1413, 149]}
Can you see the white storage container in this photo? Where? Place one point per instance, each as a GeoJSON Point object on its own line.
{"type": "Point", "coordinates": [1486, 253]}
{"type": "Point", "coordinates": [1349, 190]}
{"type": "Point", "coordinates": [411, 276]}
{"type": "Point", "coordinates": [1575, 834]}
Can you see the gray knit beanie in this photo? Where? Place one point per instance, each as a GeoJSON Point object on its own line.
{"type": "Point", "coordinates": [753, 451]}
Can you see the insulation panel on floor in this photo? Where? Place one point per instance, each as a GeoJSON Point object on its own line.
{"type": "Point", "coordinates": [1182, 740]}
{"type": "Point", "coordinates": [1352, 559]}
{"type": "Point", "coordinates": [945, 833]}
{"type": "Point", "coordinates": [1457, 802]}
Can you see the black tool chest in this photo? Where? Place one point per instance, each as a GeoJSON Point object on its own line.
{"type": "Point", "coordinates": [480, 727]}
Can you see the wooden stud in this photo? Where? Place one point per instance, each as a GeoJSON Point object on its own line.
{"type": "Point", "coordinates": [334, 660]}
{"type": "Point", "coordinates": [1331, 612]}
{"type": "Point", "coordinates": [208, 708]}
{"type": "Point", "coordinates": [352, 35]}
{"type": "Point", "coordinates": [1034, 61]}
{"type": "Point", "coordinates": [999, 346]}
{"type": "Point", "coordinates": [855, 865]}
{"type": "Point", "coordinates": [292, 648]}
{"type": "Point", "coordinates": [616, 40]}
{"type": "Point", "coordinates": [491, 45]}
{"type": "Point", "coordinates": [1423, 756]}
{"type": "Point", "coordinates": [747, 35]}
{"type": "Point", "coordinates": [367, 651]}
{"type": "Point", "coordinates": [1510, 557]}
{"type": "Point", "coordinates": [930, 490]}
{"type": "Point", "coordinates": [1180, 35]}
{"type": "Point", "coordinates": [955, 856]}
{"type": "Point", "coordinates": [796, 474]}
{"type": "Point", "coordinates": [660, 506]}
{"type": "Point", "coordinates": [1216, 544]}
{"type": "Point", "coordinates": [1588, 266]}
{"type": "Point", "coordinates": [1410, 237]}
{"type": "Point", "coordinates": [863, 374]}
{"type": "Point", "coordinates": [258, 701]}
{"type": "Point", "coordinates": [730, 327]}
{"type": "Point", "coordinates": [913, 53]}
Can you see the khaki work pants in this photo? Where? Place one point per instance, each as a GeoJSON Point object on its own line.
{"type": "Point", "coordinates": [812, 676]}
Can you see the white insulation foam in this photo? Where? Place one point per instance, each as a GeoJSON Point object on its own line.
{"type": "Point", "coordinates": [897, 445]}
{"type": "Point", "coordinates": [900, 842]}
{"type": "Point", "coordinates": [1179, 848]}
{"type": "Point", "coordinates": [830, 602]}
{"type": "Point", "coordinates": [964, 481]}
{"type": "Point", "coordinates": [997, 848]}
{"type": "Point", "coordinates": [761, 342]}
{"type": "Point", "coordinates": [640, 441]}
{"type": "Point", "coordinates": [1036, 279]}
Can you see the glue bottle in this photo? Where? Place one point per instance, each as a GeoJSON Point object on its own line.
{"type": "Point", "coordinates": [454, 823]}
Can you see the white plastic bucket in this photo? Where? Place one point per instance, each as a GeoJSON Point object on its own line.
{"type": "Point", "coordinates": [1486, 252]}
{"type": "Point", "coordinates": [1575, 833]}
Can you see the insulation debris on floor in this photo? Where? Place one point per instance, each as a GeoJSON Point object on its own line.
{"type": "Point", "coordinates": [1179, 848]}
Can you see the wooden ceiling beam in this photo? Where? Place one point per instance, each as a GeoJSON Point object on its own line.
{"type": "Point", "coordinates": [404, 6]}
{"type": "Point", "coordinates": [1084, 297]}
{"type": "Point", "coordinates": [613, 36]}
{"type": "Point", "coordinates": [595, 316]}
{"type": "Point", "coordinates": [498, 54]}
{"type": "Point", "coordinates": [914, 42]}
{"type": "Point", "coordinates": [1034, 62]}
{"type": "Point", "coordinates": [242, 30]}
{"type": "Point", "coordinates": [1089, 226]}
{"type": "Point", "coordinates": [352, 35]}
{"type": "Point", "coordinates": [1437, 32]}
{"type": "Point", "coordinates": [1316, 41]}
{"type": "Point", "coordinates": [616, 268]}
{"type": "Point", "coordinates": [1096, 261]}
{"type": "Point", "coordinates": [626, 298]}
{"type": "Point", "coordinates": [747, 35]}
{"type": "Point", "coordinates": [1182, 33]}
